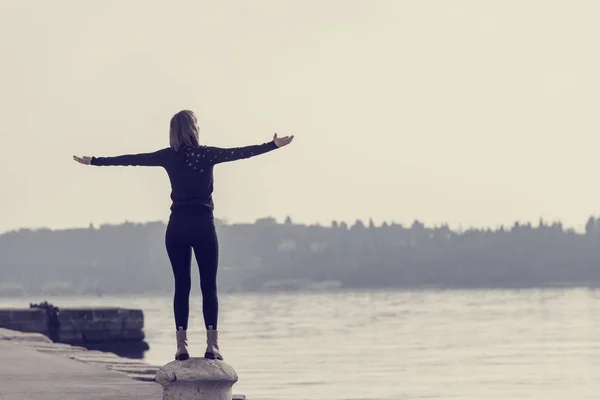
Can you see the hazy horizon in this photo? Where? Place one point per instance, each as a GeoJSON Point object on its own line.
{"type": "Point", "coordinates": [468, 113]}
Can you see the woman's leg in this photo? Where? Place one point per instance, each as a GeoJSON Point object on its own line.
{"type": "Point", "coordinates": [206, 250]}
{"type": "Point", "coordinates": [180, 255]}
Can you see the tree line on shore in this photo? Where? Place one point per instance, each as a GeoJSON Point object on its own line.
{"type": "Point", "coordinates": [130, 258]}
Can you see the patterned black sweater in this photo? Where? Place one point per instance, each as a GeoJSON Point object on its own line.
{"type": "Point", "coordinates": [190, 169]}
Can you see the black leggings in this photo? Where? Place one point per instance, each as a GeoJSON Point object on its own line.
{"type": "Point", "coordinates": [195, 230]}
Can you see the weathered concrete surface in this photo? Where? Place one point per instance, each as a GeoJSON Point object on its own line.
{"type": "Point", "coordinates": [15, 336]}
{"type": "Point", "coordinates": [135, 369]}
{"type": "Point", "coordinates": [197, 379]}
{"type": "Point", "coordinates": [29, 374]}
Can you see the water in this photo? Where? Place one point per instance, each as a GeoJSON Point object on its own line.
{"type": "Point", "coordinates": [488, 344]}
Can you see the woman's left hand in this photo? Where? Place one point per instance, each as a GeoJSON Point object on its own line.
{"type": "Point", "coordinates": [85, 160]}
{"type": "Point", "coordinates": [284, 141]}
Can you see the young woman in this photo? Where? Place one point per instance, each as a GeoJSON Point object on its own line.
{"type": "Point", "coordinates": [189, 166]}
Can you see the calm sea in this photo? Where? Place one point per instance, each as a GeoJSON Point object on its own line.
{"type": "Point", "coordinates": [376, 345]}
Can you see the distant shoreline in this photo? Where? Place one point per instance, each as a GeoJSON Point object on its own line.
{"type": "Point", "coordinates": [129, 259]}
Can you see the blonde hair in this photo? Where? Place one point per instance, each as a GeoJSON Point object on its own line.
{"type": "Point", "coordinates": [184, 130]}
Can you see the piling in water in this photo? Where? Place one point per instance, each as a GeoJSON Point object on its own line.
{"type": "Point", "coordinates": [197, 379]}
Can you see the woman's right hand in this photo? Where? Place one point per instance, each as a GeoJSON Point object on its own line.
{"type": "Point", "coordinates": [85, 160]}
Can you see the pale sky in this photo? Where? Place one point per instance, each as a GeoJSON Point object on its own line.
{"type": "Point", "coordinates": [473, 113]}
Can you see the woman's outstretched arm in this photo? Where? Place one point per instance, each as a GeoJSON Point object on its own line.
{"type": "Point", "coordinates": [216, 155]}
{"type": "Point", "coordinates": [155, 159]}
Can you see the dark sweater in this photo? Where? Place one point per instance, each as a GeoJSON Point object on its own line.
{"type": "Point", "coordinates": [190, 169]}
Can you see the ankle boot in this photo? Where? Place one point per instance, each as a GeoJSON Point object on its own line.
{"type": "Point", "coordinates": [212, 341]}
{"type": "Point", "coordinates": [182, 352]}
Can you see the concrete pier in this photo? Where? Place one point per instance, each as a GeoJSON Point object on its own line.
{"type": "Point", "coordinates": [132, 368]}
{"type": "Point", "coordinates": [33, 367]}
{"type": "Point", "coordinates": [27, 373]}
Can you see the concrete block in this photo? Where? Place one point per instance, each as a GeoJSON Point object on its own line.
{"type": "Point", "coordinates": [33, 326]}
{"type": "Point", "coordinates": [75, 314]}
{"type": "Point", "coordinates": [133, 324]}
{"type": "Point", "coordinates": [75, 325]}
{"type": "Point", "coordinates": [26, 326]}
{"type": "Point", "coordinates": [27, 314]}
{"type": "Point", "coordinates": [100, 336]}
{"type": "Point", "coordinates": [108, 313]}
{"type": "Point", "coordinates": [133, 314]}
{"type": "Point", "coordinates": [71, 336]}
{"type": "Point", "coordinates": [11, 325]}
{"type": "Point", "coordinates": [5, 315]}
{"type": "Point", "coordinates": [197, 379]}
{"type": "Point", "coordinates": [133, 334]}
{"type": "Point", "coordinates": [115, 326]}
